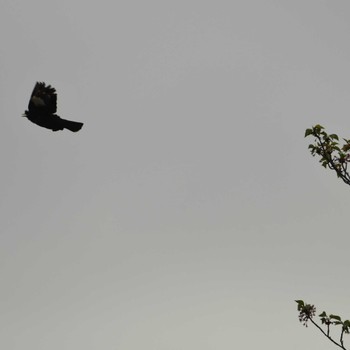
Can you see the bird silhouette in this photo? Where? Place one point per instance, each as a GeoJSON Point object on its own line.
{"type": "Point", "coordinates": [42, 109]}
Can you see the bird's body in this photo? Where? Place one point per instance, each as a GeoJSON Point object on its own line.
{"type": "Point", "coordinates": [42, 110]}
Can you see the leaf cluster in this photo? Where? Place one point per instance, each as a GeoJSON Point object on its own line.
{"type": "Point", "coordinates": [307, 313]}
{"type": "Point", "coordinates": [332, 155]}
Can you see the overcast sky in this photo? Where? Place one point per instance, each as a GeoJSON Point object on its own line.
{"type": "Point", "coordinates": [187, 214]}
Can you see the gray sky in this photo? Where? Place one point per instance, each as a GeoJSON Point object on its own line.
{"type": "Point", "coordinates": [187, 213]}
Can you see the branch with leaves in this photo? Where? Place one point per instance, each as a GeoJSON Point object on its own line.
{"type": "Point", "coordinates": [307, 313]}
{"type": "Point", "coordinates": [332, 155]}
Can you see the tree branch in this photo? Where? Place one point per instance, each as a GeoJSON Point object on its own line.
{"type": "Point", "coordinates": [328, 336]}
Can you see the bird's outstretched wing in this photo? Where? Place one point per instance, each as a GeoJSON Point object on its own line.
{"type": "Point", "coordinates": [43, 99]}
{"type": "Point", "coordinates": [42, 110]}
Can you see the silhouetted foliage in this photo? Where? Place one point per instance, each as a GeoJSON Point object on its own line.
{"type": "Point", "coordinates": [307, 313]}
{"type": "Point", "coordinates": [335, 157]}
{"type": "Point", "coordinates": [332, 155]}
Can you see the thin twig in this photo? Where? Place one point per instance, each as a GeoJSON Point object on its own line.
{"type": "Point", "coordinates": [329, 337]}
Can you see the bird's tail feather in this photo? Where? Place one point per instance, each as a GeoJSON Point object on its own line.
{"type": "Point", "coordinates": [72, 126]}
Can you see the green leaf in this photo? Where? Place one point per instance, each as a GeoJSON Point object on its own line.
{"type": "Point", "coordinates": [346, 323]}
{"type": "Point", "coordinates": [316, 130]}
{"type": "Point", "coordinates": [300, 304]}
{"type": "Point", "coordinates": [334, 136]}
{"type": "Point", "coordinates": [346, 147]}
{"type": "Point", "coordinates": [335, 317]}
{"type": "Point", "coordinates": [323, 314]}
{"type": "Point", "coordinates": [308, 132]}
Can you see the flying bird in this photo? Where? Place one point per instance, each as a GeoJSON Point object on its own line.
{"type": "Point", "coordinates": [42, 109]}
